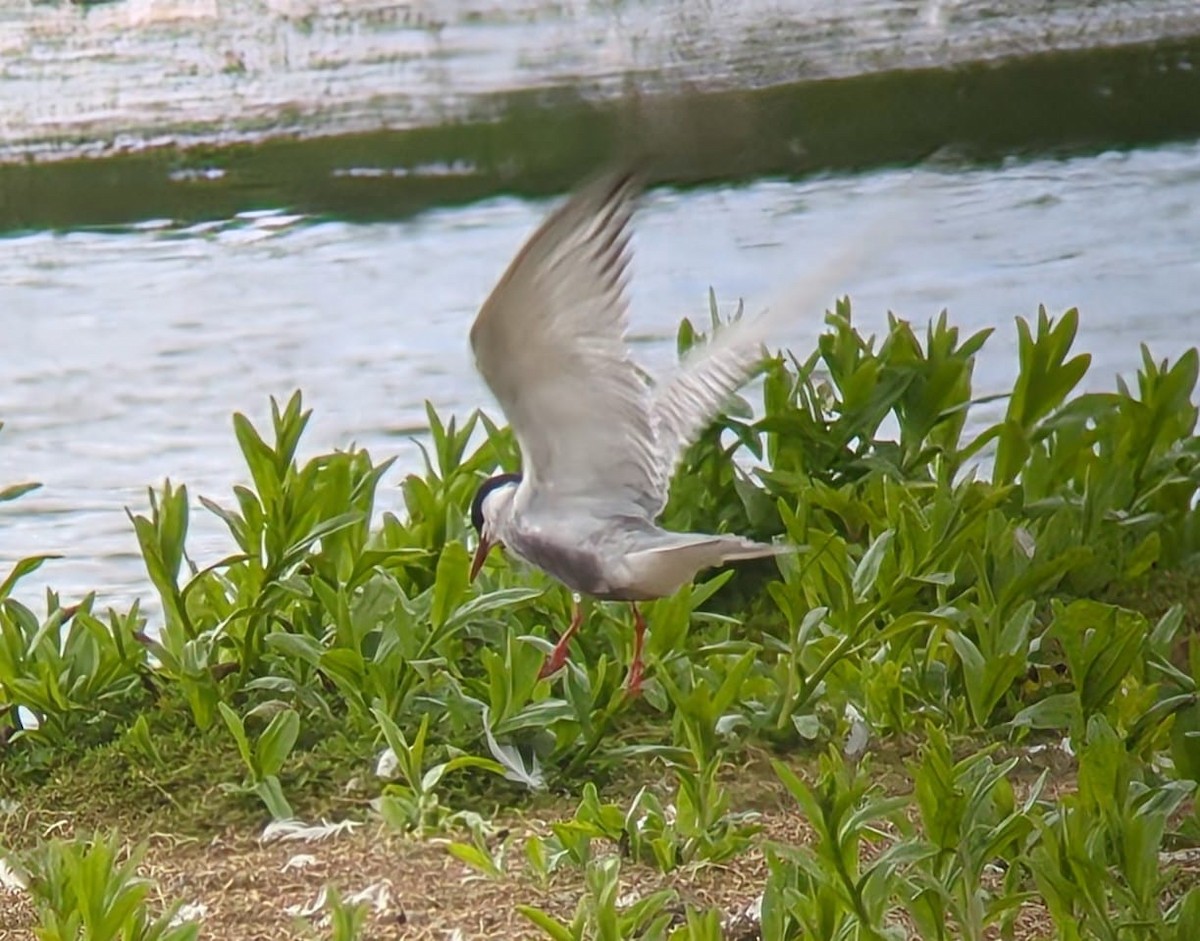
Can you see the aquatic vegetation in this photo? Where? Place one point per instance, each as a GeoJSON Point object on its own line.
{"type": "Point", "coordinates": [956, 586]}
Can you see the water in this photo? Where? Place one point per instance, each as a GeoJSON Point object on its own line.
{"type": "Point", "coordinates": [125, 351]}
{"type": "Point", "coordinates": [119, 74]}
{"type": "Point", "coordinates": [538, 141]}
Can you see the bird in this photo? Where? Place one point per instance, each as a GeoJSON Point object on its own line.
{"type": "Point", "coordinates": [599, 440]}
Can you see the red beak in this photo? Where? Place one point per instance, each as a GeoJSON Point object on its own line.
{"type": "Point", "coordinates": [481, 554]}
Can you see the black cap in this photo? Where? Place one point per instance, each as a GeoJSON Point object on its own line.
{"type": "Point", "coordinates": [485, 488]}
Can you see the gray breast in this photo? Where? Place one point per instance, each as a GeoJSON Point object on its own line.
{"type": "Point", "coordinates": [593, 563]}
{"type": "Point", "coordinates": [579, 566]}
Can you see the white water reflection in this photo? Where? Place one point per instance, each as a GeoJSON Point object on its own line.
{"type": "Point", "coordinates": [86, 77]}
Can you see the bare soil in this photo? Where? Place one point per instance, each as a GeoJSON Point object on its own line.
{"type": "Point", "coordinates": [245, 888]}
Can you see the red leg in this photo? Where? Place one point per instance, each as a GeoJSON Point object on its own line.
{"type": "Point", "coordinates": [634, 684]}
{"type": "Point", "coordinates": [558, 656]}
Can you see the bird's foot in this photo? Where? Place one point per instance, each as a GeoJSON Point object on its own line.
{"type": "Point", "coordinates": [561, 652]}
{"type": "Point", "coordinates": [557, 659]}
{"type": "Point", "coordinates": [633, 685]}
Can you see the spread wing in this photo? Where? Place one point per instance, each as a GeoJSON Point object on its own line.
{"type": "Point", "coordinates": [704, 383]}
{"type": "Point", "coordinates": [712, 373]}
{"type": "Point", "coordinates": [550, 343]}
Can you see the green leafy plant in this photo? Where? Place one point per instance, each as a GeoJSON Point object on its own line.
{"type": "Point", "coordinates": [598, 915]}
{"type": "Point", "coordinates": [76, 674]}
{"type": "Point", "coordinates": [437, 501]}
{"type": "Point", "coordinates": [957, 581]}
{"type": "Point", "coordinates": [833, 889]}
{"type": "Point", "coordinates": [971, 821]}
{"type": "Point", "coordinates": [488, 858]}
{"type": "Point", "coordinates": [413, 803]}
{"type": "Point", "coordinates": [1045, 379]}
{"type": "Point", "coordinates": [89, 890]}
{"type": "Point", "coordinates": [347, 921]}
{"type": "Point", "coordinates": [266, 756]}
{"type": "Point", "coordinates": [29, 564]}
{"type": "Point", "coordinates": [1097, 862]}
{"type": "Point", "coordinates": [1001, 656]}
{"type": "Point", "coordinates": [1101, 644]}
{"type": "Point", "coordinates": [299, 527]}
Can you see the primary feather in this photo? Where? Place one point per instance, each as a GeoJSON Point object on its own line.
{"type": "Point", "coordinates": [550, 342]}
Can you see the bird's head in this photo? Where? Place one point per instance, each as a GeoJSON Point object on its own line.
{"type": "Point", "coordinates": [493, 497]}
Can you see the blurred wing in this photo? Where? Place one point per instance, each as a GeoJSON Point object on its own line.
{"type": "Point", "coordinates": [550, 343]}
{"type": "Point", "coordinates": [712, 373]}
{"type": "Point", "coordinates": [706, 380]}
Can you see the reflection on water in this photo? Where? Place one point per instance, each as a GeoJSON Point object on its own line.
{"type": "Point", "coordinates": [202, 68]}
{"type": "Point", "coordinates": [124, 353]}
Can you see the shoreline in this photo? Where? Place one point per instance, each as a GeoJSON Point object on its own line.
{"type": "Point", "coordinates": [536, 143]}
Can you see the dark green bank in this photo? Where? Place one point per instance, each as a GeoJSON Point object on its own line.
{"type": "Point", "coordinates": [540, 142]}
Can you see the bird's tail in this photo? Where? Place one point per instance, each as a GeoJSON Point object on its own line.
{"type": "Point", "coordinates": [663, 569]}
{"type": "Point", "coordinates": [737, 549]}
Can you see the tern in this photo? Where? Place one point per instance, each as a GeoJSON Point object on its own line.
{"type": "Point", "coordinates": [599, 440]}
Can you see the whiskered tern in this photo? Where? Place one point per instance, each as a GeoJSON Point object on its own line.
{"type": "Point", "coordinates": [599, 441]}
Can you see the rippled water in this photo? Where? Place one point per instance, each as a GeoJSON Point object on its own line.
{"type": "Point", "coordinates": [124, 353]}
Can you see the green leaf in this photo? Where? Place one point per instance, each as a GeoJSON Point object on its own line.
{"type": "Point", "coordinates": [1059, 711]}
{"type": "Point", "coordinates": [450, 584]}
{"type": "Point", "coordinates": [473, 857]}
{"type": "Point", "coordinates": [277, 741]}
{"type": "Point", "coordinates": [555, 929]}
{"type": "Point", "coordinates": [974, 673]}
{"type": "Point", "coordinates": [1101, 642]}
{"type": "Point", "coordinates": [867, 571]}
{"type": "Point", "coordinates": [492, 601]}
{"type": "Point", "coordinates": [1185, 742]}
{"type": "Point", "coordinates": [235, 524]}
{"type": "Point", "coordinates": [234, 723]}
{"type": "Point", "coordinates": [1187, 916]}
{"type": "Point", "coordinates": [535, 856]}
{"type": "Point", "coordinates": [1144, 555]}
{"type": "Point", "coordinates": [270, 792]}
{"type": "Point", "coordinates": [298, 646]}
{"type": "Point", "coordinates": [21, 569]}
{"type": "Point", "coordinates": [807, 726]}
{"type": "Point", "coordinates": [17, 490]}
{"type": "Point", "coordinates": [260, 460]}
{"type": "Point", "coordinates": [322, 530]}
{"type": "Point", "coordinates": [433, 777]}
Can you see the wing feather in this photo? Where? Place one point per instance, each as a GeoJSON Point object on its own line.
{"type": "Point", "coordinates": [706, 380]}
{"type": "Point", "coordinates": [710, 375]}
{"type": "Point", "coordinates": [550, 343]}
